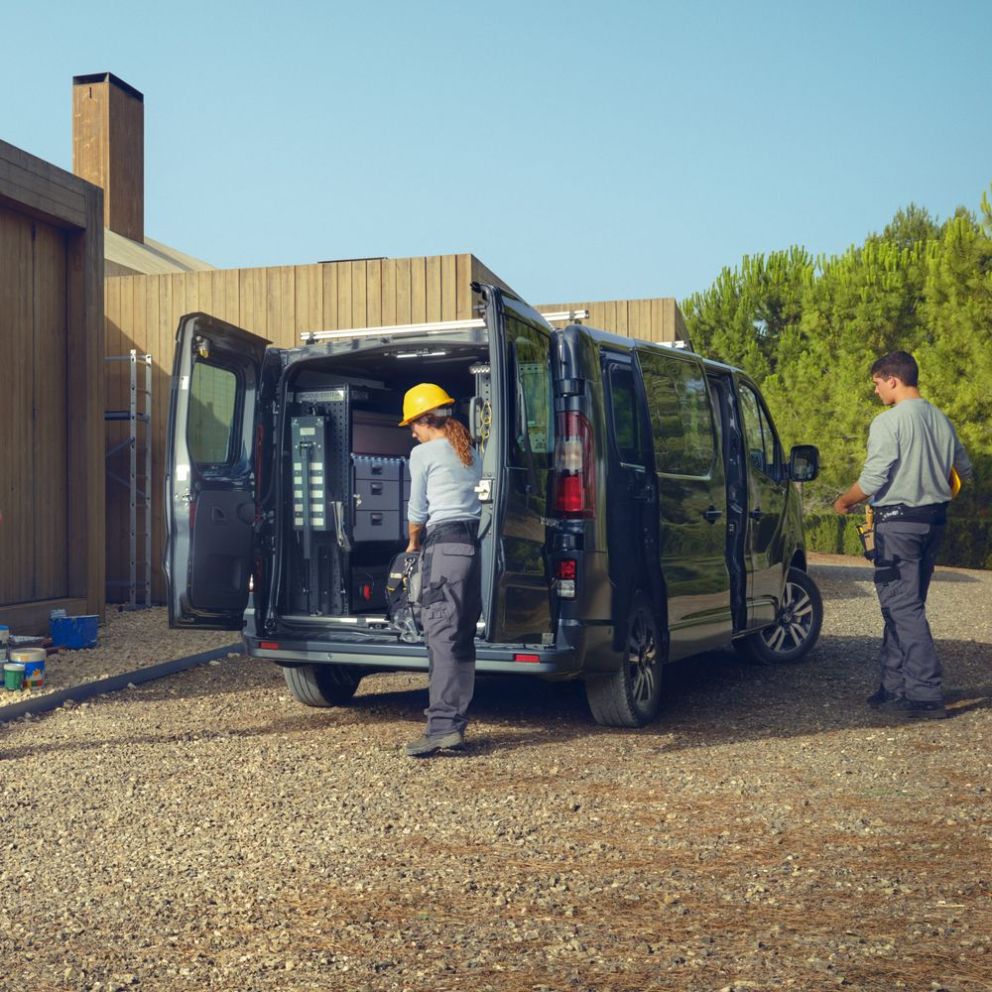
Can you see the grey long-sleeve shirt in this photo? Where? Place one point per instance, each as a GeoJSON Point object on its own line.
{"type": "Point", "coordinates": [441, 487]}
{"type": "Point", "coordinates": [911, 449]}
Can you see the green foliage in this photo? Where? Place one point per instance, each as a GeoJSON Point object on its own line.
{"type": "Point", "coordinates": [967, 541]}
{"type": "Point", "coordinates": [808, 330]}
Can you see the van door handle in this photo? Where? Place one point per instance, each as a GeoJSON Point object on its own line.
{"type": "Point", "coordinates": [712, 514]}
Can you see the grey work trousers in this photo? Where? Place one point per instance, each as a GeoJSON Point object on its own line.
{"type": "Point", "coordinates": [451, 598]}
{"type": "Point", "coordinates": [905, 554]}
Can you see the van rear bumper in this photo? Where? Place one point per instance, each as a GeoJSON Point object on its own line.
{"type": "Point", "coordinates": [564, 660]}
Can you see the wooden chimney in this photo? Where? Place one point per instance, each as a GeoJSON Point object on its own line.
{"type": "Point", "coordinates": [108, 148]}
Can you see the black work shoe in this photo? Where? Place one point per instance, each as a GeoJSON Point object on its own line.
{"type": "Point", "coordinates": [424, 747]}
{"type": "Point", "coordinates": [882, 697]}
{"type": "Point", "coordinates": [919, 709]}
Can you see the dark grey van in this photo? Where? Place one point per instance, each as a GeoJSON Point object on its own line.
{"type": "Point", "coordinates": [637, 505]}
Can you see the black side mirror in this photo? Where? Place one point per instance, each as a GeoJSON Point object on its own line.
{"type": "Point", "coordinates": [804, 463]}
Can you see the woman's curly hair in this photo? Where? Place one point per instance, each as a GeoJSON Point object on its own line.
{"type": "Point", "coordinates": [456, 433]}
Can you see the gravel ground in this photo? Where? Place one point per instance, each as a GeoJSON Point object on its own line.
{"type": "Point", "coordinates": [769, 832]}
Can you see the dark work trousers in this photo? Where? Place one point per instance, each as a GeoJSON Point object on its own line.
{"type": "Point", "coordinates": [451, 597]}
{"type": "Point", "coordinates": [904, 558]}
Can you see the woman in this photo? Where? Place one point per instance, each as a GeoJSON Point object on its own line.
{"type": "Point", "coordinates": [444, 509]}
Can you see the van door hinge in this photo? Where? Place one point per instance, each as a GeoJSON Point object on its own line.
{"type": "Point", "coordinates": [484, 490]}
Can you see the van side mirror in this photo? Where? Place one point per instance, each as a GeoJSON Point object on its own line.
{"type": "Point", "coordinates": [804, 463]}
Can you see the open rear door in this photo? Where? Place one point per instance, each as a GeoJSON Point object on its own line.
{"type": "Point", "coordinates": [520, 349]}
{"type": "Point", "coordinates": [210, 472]}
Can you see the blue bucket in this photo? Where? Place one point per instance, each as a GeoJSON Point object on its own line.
{"type": "Point", "coordinates": [73, 632]}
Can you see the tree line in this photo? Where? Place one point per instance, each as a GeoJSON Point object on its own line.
{"type": "Point", "coordinates": [808, 328]}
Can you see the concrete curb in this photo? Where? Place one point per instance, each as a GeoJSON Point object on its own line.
{"type": "Point", "coordinates": [79, 693]}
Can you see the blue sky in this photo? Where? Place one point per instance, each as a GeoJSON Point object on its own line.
{"type": "Point", "coordinates": [581, 150]}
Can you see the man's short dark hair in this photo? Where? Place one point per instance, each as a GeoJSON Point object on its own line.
{"type": "Point", "coordinates": [899, 364]}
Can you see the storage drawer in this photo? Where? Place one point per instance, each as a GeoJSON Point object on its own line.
{"type": "Point", "coordinates": [377, 525]}
{"type": "Point", "coordinates": [369, 467]}
{"type": "Point", "coordinates": [377, 494]}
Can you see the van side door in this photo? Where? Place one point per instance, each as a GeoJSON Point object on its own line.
{"type": "Point", "coordinates": [767, 489]}
{"type": "Point", "coordinates": [631, 496]}
{"type": "Point", "coordinates": [210, 472]}
{"type": "Point", "coordinates": [520, 348]}
{"type": "Point", "coordinates": [692, 500]}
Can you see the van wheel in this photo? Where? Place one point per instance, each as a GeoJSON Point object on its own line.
{"type": "Point", "coordinates": [796, 628]}
{"type": "Point", "coordinates": [322, 685]}
{"type": "Point", "coordinates": [630, 696]}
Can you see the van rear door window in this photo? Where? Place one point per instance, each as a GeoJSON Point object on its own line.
{"type": "Point", "coordinates": [681, 415]}
{"type": "Point", "coordinates": [210, 433]}
{"type": "Point", "coordinates": [532, 435]}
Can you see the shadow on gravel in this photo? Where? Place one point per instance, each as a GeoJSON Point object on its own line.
{"type": "Point", "coordinates": [713, 699]}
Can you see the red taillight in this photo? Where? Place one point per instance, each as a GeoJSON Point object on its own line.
{"type": "Point", "coordinates": [566, 572]}
{"type": "Point", "coordinates": [574, 479]}
{"type": "Point", "coordinates": [269, 645]}
{"type": "Point", "coordinates": [532, 659]}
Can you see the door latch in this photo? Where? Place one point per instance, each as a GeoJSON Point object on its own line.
{"type": "Point", "coordinates": [484, 490]}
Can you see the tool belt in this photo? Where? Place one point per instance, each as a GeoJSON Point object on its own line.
{"type": "Point", "coordinates": [931, 513]}
{"type": "Point", "coordinates": [453, 532]}
{"type": "Point", "coordinates": [866, 534]}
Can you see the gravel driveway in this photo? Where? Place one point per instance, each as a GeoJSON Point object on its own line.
{"type": "Point", "coordinates": [769, 832]}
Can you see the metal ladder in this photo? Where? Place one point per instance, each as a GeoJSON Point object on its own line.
{"type": "Point", "coordinates": [139, 412]}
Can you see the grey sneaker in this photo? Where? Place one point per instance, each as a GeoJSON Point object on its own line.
{"type": "Point", "coordinates": [424, 747]}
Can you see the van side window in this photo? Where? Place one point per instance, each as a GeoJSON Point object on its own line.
{"type": "Point", "coordinates": [532, 435]}
{"type": "Point", "coordinates": [681, 415]}
{"type": "Point", "coordinates": [626, 423]}
{"type": "Point", "coordinates": [210, 431]}
{"type": "Point", "coordinates": [762, 444]}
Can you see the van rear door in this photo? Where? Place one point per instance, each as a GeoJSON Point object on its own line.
{"type": "Point", "coordinates": [210, 472]}
{"type": "Point", "coordinates": [519, 463]}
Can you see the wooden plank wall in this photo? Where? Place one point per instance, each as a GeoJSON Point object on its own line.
{"type": "Point", "coordinates": [51, 424]}
{"type": "Point", "coordinates": [142, 312]}
{"type": "Point", "coordinates": [657, 319]}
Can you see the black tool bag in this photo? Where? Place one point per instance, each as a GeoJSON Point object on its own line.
{"type": "Point", "coordinates": [403, 595]}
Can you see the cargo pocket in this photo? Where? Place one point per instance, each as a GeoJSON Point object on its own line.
{"type": "Point", "coordinates": [450, 564]}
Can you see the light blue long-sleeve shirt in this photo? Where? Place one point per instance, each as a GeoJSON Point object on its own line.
{"type": "Point", "coordinates": [441, 487]}
{"type": "Point", "coordinates": [911, 449]}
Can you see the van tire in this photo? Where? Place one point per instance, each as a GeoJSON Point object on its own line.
{"type": "Point", "coordinates": [631, 696]}
{"type": "Point", "coordinates": [796, 630]}
{"type": "Point", "coordinates": [322, 685]}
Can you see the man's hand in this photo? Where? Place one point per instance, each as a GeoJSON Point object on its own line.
{"type": "Point", "coordinates": [849, 500]}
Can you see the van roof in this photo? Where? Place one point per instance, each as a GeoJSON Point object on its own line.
{"type": "Point", "coordinates": [625, 343]}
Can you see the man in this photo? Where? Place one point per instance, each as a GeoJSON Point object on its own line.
{"type": "Point", "coordinates": [912, 448]}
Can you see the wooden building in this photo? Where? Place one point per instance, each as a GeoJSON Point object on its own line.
{"type": "Point", "coordinates": [149, 286]}
{"type": "Point", "coordinates": [51, 402]}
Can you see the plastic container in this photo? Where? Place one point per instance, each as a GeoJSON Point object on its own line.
{"type": "Point", "coordinates": [33, 660]}
{"type": "Point", "coordinates": [74, 632]}
{"type": "Point", "coordinates": [13, 675]}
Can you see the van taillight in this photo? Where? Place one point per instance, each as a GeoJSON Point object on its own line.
{"type": "Point", "coordinates": [566, 570]}
{"type": "Point", "coordinates": [574, 481]}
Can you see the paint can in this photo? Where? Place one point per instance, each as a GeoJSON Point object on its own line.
{"type": "Point", "coordinates": [13, 675]}
{"type": "Point", "coordinates": [33, 660]}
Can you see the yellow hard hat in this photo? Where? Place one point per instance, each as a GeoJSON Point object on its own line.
{"type": "Point", "coordinates": [955, 480]}
{"type": "Point", "coordinates": [422, 399]}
